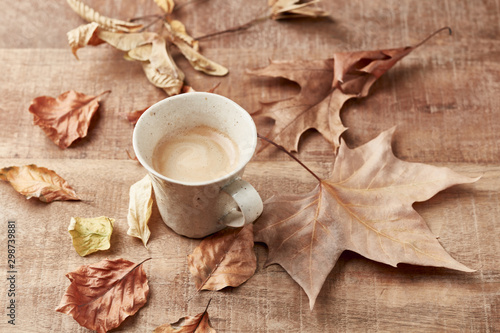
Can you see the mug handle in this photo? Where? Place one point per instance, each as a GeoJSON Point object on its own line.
{"type": "Point", "coordinates": [248, 201]}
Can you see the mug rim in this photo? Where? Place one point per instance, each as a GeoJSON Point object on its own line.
{"type": "Point", "coordinates": [227, 176]}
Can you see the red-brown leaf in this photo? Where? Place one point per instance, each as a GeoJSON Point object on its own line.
{"type": "Point", "coordinates": [42, 183]}
{"type": "Point", "coordinates": [65, 118]}
{"type": "Point", "coordinates": [364, 207]}
{"type": "Point", "coordinates": [101, 296]}
{"type": "Point", "coordinates": [189, 324]}
{"type": "Point", "coordinates": [224, 259]}
{"type": "Point", "coordinates": [325, 86]}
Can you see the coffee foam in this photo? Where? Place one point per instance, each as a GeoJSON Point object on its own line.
{"type": "Point", "coordinates": [198, 154]}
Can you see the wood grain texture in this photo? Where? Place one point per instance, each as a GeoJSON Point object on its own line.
{"type": "Point", "coordinates": [443, 98]}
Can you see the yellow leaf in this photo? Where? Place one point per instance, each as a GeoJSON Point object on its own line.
{"type": "Point", "coordinates": [179, 30]}
{"type": "Point", "coordinates": [90, 15]}
{"type": "Point", "coordinates": [33, 181]}
{"type": "Point", "coordinates": [140, 208]}
{"type": "Point", "coordinates": [166, 5]}
{"type": "Point", "coordinates": [82, 36]}
{"type": "Point", "coordinates": [283, 9]}
{"type": "Point", "coordinates": [91, 234]}
{"type": "Point", "coordinates": [196, 59]}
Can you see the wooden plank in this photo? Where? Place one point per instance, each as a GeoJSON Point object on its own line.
{"type": "Point", "coordinates": [358, 295]}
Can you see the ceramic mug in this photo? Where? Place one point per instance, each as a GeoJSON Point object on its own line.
{"type": "Point", "coordinates": [197, 209]}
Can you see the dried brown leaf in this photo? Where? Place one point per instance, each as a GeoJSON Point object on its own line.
{"type": "Point", "coordinates": [39, 182]}
{"type": "Point", "coordinates": [325, 86]}
{"type": "Point", "coordinates": [65, 118]}
{"type": "Point", "coordinates": [90, 15]}
{"type": "Point", "coordinates": [224, 259]}
{"type": "Point", "coordinates": [364, 207]}
{"type": "Point", "coordinates": [285, 9]}
{"type": "Point", "coordinates": [101, 296]}
{"type": "Point", "coordinates": [190, 324]}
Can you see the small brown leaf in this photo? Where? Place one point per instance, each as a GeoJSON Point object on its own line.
{"type": "Point", "coordinates": [190, 324]}
{"type": "Point", "coordinates": [101, 296]}
{"type": "Point", "coordinates": [325, 86]}
{"type": "Point", "coordinates": [90, 15]}
{"type": "Point", "coordinates": [285, 9]}
{"type": "Point", "coordinates": [33, 181]}
{"type": "Point", "coordinates": [365, 207]}
{"type": "Point", "coordinates": [224, 259]}
{"type": "Point", "coordinates": [65, 118]}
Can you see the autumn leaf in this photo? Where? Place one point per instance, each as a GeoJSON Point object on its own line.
{"type": "Point", "coordinates": [140, 208]}
{"type": "Point", "coordinates": [42, 183]}
{"type": "Point", "coordinates": [90, 15]}
{"type": "Point", "coordinates": [189, 48]}
{"type": "Point", "coordinates": [101, 296]}
{"type": "Point", "coordinates": [284, 9]}
{"type": "Point", "coordinates": [148, 48]}
{"type": "Point", "coordinates": [365, 207]}
{"type": "Point", "coordinates": [190, 324]}
{"type": "Point", "coordinates": [166, 5]}
{"type": "Point", "coordinates": [325, 86]}
{"type": "Point", "coordinates": [224, 259]}
{"type": "Point", "coordinates": [91, 234]}
{"type": "Point", "coordinates": [65, 118]}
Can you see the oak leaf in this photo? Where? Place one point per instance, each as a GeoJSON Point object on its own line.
{"type": "Point", "coordinates": [65, 118]}
{"type": "Point", "coordinates": [101, 296]}
{"type": "Point", "coordinates": [224, 259]}
{"type": "Point", "coordinates": [42, 183]}
{"type": "Point", "coordinates": [139, 209]}
{"type": "Point", "coordinates": [189, 324]}
{"type": "Point", "coordinates": [285, 9]}
{"type": "Point", "coordinates": [91, 234]}
{"type": "Point", "coordinates": [90, 15]}
{"type": "Point", "coordinates": [365, 207]}
{"type": "Point", "coordinates": [325, 86]}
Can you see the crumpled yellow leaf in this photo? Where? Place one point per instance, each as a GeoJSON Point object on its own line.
{"type": "Point", "coordinates": [91, 234]}
{"type": "Point", "coordinates": [285, 9]}
{"type": "Point", "coordinates": [190, 52]}
{"type": "Point", "coordinates": [166, 5]}
{"type": "Point", "coordinates": [148, 48]}
{"type": "Point", "coordinates": [90, 15]}
{"type": "Point", "coordinates": [139, 209]}
{"type": "Point", "coordinates": [33, 181]}
{"type": "Point", "coordinates": [179, 30]}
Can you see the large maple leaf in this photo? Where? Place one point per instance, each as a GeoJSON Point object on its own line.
{"type": "Point", "coordinates": [325, 86]}
{"type": "Point", "coordinates": [365, 207]}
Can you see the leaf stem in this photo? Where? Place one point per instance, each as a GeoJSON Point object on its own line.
{"type": "Point", "coordinates": [289, 154]}
{"type": "Point", "coordinates": [432, 35]}
{"type": "Point", "coordinates": [235, 29]}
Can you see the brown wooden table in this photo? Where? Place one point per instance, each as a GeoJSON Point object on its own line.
{"type": "Point", "coordinates": [443, 98]}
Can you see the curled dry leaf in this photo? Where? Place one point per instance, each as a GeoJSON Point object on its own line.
{"type": "Point", "coordinates": [91, 234]}
{"type": "Point", "coordinates": [39, 182]}
{"type": "Point", "coordinates": [190, 324]}
{"type": "Point", "coordinates": [90, 15]}
{"type": "Point", "coordinates": [166, 5]}
{"type": "Point", "coordinates": [147, 47]}
{"type": "Point", "coordinates": [196, 59]}
{"type": "Point", "coordinates": [364, 207]}
{"type": "Point", "coordinates": [325, 86]}
{"type": "Point", "coordinates": [139, 209]}
{"type": "Point", "coordinates": [101, 296]}
{"type": "Point", "coordinates": [285, 9]}
{"type": "Point", "coordinates": [224, 259]}
{"type": "Point", "coordinates": [65, 118]}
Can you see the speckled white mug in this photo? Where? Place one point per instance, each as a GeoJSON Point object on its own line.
{"type": "Point", "coordinates": [197, 209]}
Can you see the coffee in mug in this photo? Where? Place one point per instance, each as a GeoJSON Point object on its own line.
{"type": "Point", "coordinates": [195, 154]}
